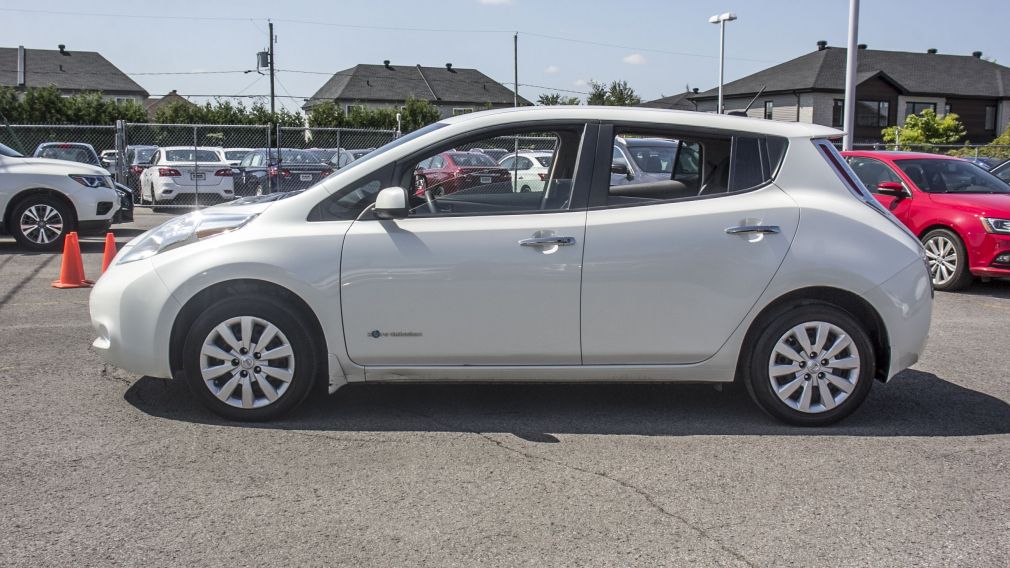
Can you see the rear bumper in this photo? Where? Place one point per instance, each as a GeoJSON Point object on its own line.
{"type": "Point", "coordinates": [905, 305]}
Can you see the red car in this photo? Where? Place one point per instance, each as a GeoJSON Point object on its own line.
{"type": "Point", "coordinates": [452, 172]}
{"type": "Point", "coordinates": [959, 211]}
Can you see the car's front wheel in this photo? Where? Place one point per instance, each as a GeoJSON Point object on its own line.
{"type": "Point", "coordinates": [40, 223]}
{"type": "Point", "coordinates": [811, 365]}
{"type": "Point", "coordinates": [249, 357]}
{"type": "Point", "coordinates": [948, 260]}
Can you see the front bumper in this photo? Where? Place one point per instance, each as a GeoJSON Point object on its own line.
{"type": "Point", "coordinates": [984, 251]}
{"type": "Point", "coordinates": [132, 312]}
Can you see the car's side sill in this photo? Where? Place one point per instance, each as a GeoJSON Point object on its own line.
{"type": "Point", "coordinates": [706, 373]}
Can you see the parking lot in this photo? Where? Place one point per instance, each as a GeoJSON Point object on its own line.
{"type": "Point", "coordinates": [101, 467]}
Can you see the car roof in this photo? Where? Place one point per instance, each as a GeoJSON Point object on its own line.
{"type": "Point", "coordinates": [898, 155]}
{"type": "Point", "coordinates": [647, 115]}
{"type": "Point", "coordinates": [211, 148]}
{"type": "Point", "coordinates": [67, 144]}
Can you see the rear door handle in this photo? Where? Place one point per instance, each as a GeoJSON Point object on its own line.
{"type": "Point", "coordinates": [547, 242]}
{"type": "Point", "coordinates": [750, 229]}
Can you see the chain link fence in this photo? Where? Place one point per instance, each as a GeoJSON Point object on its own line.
{"type": "Point", "coordinates": [198, 165]}
{"type": "Point", "coordinates": [985, 155]}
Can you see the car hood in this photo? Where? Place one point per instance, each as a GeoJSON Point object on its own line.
{"type": "Point", "coordinates": [65, 166]}
{"type": "Point", "coordinates": [984, 204]}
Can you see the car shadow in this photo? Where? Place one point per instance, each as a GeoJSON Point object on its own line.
{"type": "Point", "coordinates": [912, 404]}
{"type": "Point", "coordinates": [995, 288]}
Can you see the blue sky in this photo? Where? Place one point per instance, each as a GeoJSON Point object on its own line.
{"type": "Point", "coordinates": [659, 47]}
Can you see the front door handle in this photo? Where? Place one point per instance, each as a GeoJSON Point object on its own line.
{"type": "Point", "coordinates": [750, 229]}
{"type": "Point", "coordinates": [547, 242]}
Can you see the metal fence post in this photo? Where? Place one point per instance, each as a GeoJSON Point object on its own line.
{"type": "Point", "coordinates": [121, 151]}
{"type": "Point", "coordinates": [196, 168]}
{"type": "Point", "coordinates": [338, 145]}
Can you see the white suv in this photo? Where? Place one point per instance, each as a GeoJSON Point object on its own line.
{"type": "Point", "coordinates": [43, 200]}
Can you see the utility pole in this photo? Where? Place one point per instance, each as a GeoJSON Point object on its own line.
{"type": "Point", "coordinates": [515, 68]}
{"type": "Point", "coordinates": [271, 25]}
{"type": "Point", "coordinates": [849, 122]}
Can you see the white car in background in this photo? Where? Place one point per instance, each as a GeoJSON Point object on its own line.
{"type": "Point", "coordinates": [762, 259]}
{"type": "Point", "coordinates": [529, 170]}
{"type": "Point", "coordinates": [234, 155]}
{"type": "Point", "coordinates": [185, 171]}
{"type": "Point", "coordinates": [42, 199]}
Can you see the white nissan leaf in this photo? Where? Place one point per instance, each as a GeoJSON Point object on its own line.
{"type": "Point", "coordinates": [754, 255]}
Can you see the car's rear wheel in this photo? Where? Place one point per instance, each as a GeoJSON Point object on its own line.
{"type": "Point", "coordinates": [811, 365]}
{"type": "Point", "coordinates": [948, 260]}
{"type": "Point", "coordinates": [41, 222]}
{"type": "Point", "coordinates": [250, 358]}
{"type": "Point", "coordinates": [525, 189]}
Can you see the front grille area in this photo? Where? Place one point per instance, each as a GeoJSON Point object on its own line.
{"type": "Point", "coordinates": [103, 207]}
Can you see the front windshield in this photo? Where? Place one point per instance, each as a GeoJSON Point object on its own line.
{"type": "Point", "coordinates": [235, 154]}
{"type": "Point", "coordinates": [396, 143]}
{"type": "Point", "coordinates": [950, 176]}
{"type": "Point", "coordinates": [654, 159]}
{"type": "Point", "coordinates": [9, 152]}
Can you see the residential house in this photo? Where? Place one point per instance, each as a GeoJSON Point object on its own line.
{"type": "Point", "coordinates": [890, 85]}
{"type": "Point", "coordinates": [72, 72]}
{"type": "Point", "coordinates": [172, 98]}
{"type": "Point", "coordinates": [674, 102]}
{"type": "Point", "coordinates": [452, 90]}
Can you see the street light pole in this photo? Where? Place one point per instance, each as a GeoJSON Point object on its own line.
{"type": "Point", "coordinates": [721, 19]}
{"type": "Point", "coordinates": [849, 122]}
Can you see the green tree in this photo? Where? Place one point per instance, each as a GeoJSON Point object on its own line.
{"type": "Point", "coordinates": [617, 93]}
{"type": "Point", "coordinates": [552, 99]}
{"type": "Point", "coordinates": [416, 114]}
{"type": "Point", "coordinates": [925, 129]}
{"type": "Point", "coordinates": [998, 148]}
{"type": "Point", "coordinates": [43, 106]}
{"type": "Point", "coordinates": [10, 105]}
{"type": "Point", "coordinates": [326, 115]}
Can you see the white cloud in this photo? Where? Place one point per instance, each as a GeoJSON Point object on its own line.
{"type": "Point", "coordinates": [552, 70]}
{"type": "Point", "coordinates": [634, 59]}
{"type": "Point", "coordinates": [580, 83]}
{"type": "Point", "coordinates": [496, 2]}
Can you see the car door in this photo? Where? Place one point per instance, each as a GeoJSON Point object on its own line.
{"type": "Point", "coordinates": [484, 277]}
{"type": "Point", "coordinates": [872, 172]}
{"type": "Point", "coordinates": [667, 281]}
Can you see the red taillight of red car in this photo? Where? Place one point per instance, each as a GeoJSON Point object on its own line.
{"type": "Point", "coordinates": [223, 172]}
{"type": "Point", "coordinates": [325, 173]}
{"type": "Point", "coordinates": [136, 170]}
{"type": "Point", "coordinates": [169, 172]}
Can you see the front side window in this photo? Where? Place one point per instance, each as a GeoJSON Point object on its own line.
{"type": "Point", "coordinates": [950, 176]}
{"type": "Point", "coordinates": [872, 172]}
{"type": "Point", "coordinates": [872, 113]}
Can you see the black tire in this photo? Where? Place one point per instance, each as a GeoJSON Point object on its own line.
{"type": "Point", "coordinates": [274, 311]}
{"type": "Point", "coordinates": [525, 189]}
{"type": "Point", "coordinates": [961, 277]}
{"type": "Point", "coordinates": [52, 242]}
{"type": "Point", "coordinates": [758, 358]}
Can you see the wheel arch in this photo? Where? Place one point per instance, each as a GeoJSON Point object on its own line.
{"type": "Point", "coordinates": [852, 303]}
{"type": "Point", "coordinates": [20, 196]}
{"type": "Point", "coordinates": [228, 288]}
{"type": "Point", "coordinates": [937, 225]}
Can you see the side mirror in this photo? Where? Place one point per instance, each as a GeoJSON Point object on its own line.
{"type": "Point", "coordinates": [391, 203]}
{"type": "Point", "coordinates": [893, 189]}
{"type": "Point", "coordinates": [618, 168]}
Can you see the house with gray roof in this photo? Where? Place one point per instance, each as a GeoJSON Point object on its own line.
{"type": "Point", "coordinates": [451, 89]}
{"type": "Point", "coordinates": [890, 85]}
{"type": "Point", "coordinates": [72, 72]}
{"type": "Point", "coordinates": [680, 101]}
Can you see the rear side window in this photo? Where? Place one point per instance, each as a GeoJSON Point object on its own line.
{"type": "Point", "coordinates": [649, 166]}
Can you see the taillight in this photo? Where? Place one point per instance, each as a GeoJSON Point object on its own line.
{"type": "Point", "coordinates": [169, 172]}
{"type": "Point", "coordinates": [136, 170]}
{"type": "Point", "coordinates": [325, 173]}
{"type": "Point", "coordinates": [543, 177]}
{"type": "Point", "coordinates": [274, 171]}
{"type": "Point", "coordinates": [223, 172]}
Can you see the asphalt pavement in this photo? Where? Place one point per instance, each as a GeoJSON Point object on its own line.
{"type": "Point", "coordinates": [101, 467]}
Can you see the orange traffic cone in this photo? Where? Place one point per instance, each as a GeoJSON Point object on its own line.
{"type": "Point", "coordinates": [110, 251]}
{"type": "Point", "coordinates": [72, 268]}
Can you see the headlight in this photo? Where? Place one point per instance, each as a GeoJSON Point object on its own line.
{"type": "Point", "coordinates": [182, 231]}
{"type": "Point", "coordinates": [92, 181]}
{"type": "Point", "coordinates": [993, 225]}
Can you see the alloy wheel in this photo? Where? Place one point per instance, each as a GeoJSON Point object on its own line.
{"type": "Point", "coordinates": [247, 362]}
{"type": "Point", "coordinates": [41, 224]}
{"type": "Point", "coordinates": [942, 256]}
{"type": "Point", "coordinates": [814, 367]}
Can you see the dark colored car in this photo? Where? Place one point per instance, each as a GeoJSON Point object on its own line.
{"type": "Point", "coordinates": [261, 172]}
{"type": "Point", "coordinates": [359, 152]}
{"type": "Point", "coordinates": [453, 172]}
{"type": "Point", "coordinates": [69, 151]}
{"type": "Point", "coordinates": [125, 213]}
{"type": "Point", "coordinates": [983, 162]}
{"type": "Point", "coordinates": [137, 159]}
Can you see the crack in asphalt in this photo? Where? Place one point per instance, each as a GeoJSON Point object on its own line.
{"type": "Point", "coordinates": [648, 497]}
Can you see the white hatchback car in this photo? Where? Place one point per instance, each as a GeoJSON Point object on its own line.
{"type": "Point", "coordinates": [42, 200]}
{"type": "Point", "coordinates": [761, 259]}
{"type": "Point", "coordinates": [184, 172]}
{"type": "Point", "coordinates": [529, 169]}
